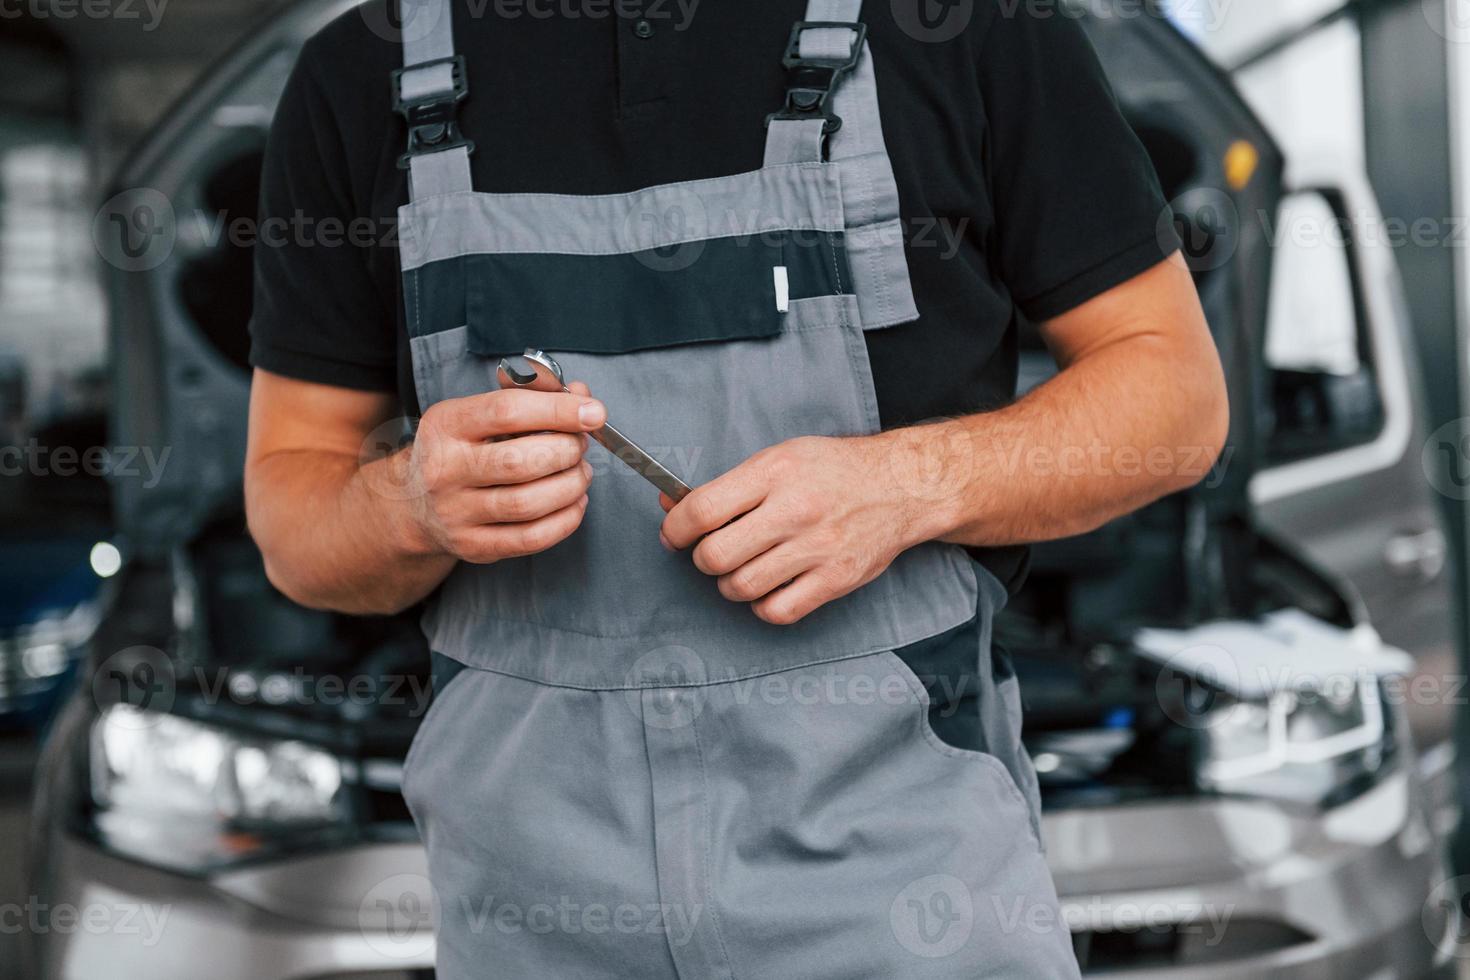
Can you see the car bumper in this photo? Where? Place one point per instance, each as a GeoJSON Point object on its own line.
{"type": "Point", "coordinates": [1193, 890]}
{"type": "Point", "coordinates": [1198, 890]}
{"type": "Point", "coordinates": [318, 917]}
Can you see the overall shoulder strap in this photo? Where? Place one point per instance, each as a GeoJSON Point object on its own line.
{"type": "Point", "coordinates": [826, 121]}
{"type": "Point", "coordinates": [427, 90]}
{"type": "Point", "coordinates": [821, 49]}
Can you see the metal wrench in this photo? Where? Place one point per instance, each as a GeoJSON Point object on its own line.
{"type": "Point", "coordinates": [546, 376]}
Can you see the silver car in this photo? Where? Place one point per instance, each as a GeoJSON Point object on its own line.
{"type": "Point", "coordinates": [221, 794]}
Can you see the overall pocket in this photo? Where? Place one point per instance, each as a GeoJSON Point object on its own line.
{"type": "Point", "coordinates": [969, 756]}
{"type": "Point", "coordinates": [698, 292]}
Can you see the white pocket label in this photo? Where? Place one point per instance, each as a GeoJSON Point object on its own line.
{"type": "Point", "coordinates": [783, 288]}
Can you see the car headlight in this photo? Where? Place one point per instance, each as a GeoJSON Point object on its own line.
{"type": "Point", "coordinates": [186, 795]}
{"type": "Point", "coordinates": [40, 652]}
{"type": "Point", "coordinates": [1310, 746]}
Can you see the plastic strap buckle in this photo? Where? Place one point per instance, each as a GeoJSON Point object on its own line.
{"type": "Point", "coordinates": [433, 124]}
{"type": "Point", "coordinates": [810, 81]}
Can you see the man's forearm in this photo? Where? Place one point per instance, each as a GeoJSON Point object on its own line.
{"type": "Point", "coordinates": [338, 534]}
{"type": "Point", "coordinates": [1111, 433]}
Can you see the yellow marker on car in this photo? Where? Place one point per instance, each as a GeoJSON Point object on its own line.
{"type": "Point", "coordinates": [1241, 161]}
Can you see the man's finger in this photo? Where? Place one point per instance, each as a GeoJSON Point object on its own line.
{"type": "Point", "coordinates": [714, 504]}
{"type": "Point", "coordinates": [727, 548]}
{"type": "Point", "coordinates": [514, 411]}
{"type": "Point", "coordinates": [764, 574]}
{"type": "Point", "coordinates": [493, 542]}
{"type": "Point", "coordinates": [794, 601]}
{"type": "Point", "coordinates": [522, 459]}
{"type": "Point", "coordinates": [531, 501]}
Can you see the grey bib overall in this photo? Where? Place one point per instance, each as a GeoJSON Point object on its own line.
{"type": "Point", "coordinates": [631, 776]}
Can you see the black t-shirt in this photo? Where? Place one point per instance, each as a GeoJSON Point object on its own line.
{"type": "Point", "coordinates": [1022, 190]}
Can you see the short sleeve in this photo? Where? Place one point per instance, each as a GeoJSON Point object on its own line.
{"type": "Point", "coordinates": [1078, 205]}
{"type": "Point", "coordinates": [318, 314]}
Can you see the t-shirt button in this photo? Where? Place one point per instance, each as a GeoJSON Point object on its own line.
{"type": "Point", "coordinates": [643, 28]}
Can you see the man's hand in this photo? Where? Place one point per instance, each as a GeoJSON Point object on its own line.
{"type": "Point", "coordinates": [345, 525]}
{"type": "Point", "coordinates": [484, 489]}
{"type": "Point", "coordinates": [1138, 411]}
{"type": "Point", "coordinates": [797, 525]}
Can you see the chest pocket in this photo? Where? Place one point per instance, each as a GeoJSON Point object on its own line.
{"type": "Point", "coordinates": [692, 292]}
{"type": "Point", "coordinates": [697, 262]}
